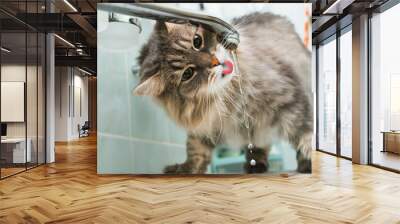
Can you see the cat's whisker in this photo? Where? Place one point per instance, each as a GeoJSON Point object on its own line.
{"type": "Point", "coordinates": [223, 40]}
{"type": "Point", "coordinates": [214, 78]}
{"type": "Point", "coordinates": [239, 75]}
{"type": "Point", "coordinates": [219, 115]}
{"type": "Point", "coordinates": [234, 104]}
{"type": "Point", "coordinates": [207, 104]}
{"type": "Point", "coordinates": [233, 116]}
{"type": "Point", "coordinates": [208, 95]}
{"type": "Point", "coordinates": [243, 97]}
{"type": "Point", "coordinates": [209, 89]}
{"type": "Point", "coordinates": [227, 96]}
{"type": "Point", "coordinates": [209, 107]}
{"type": "Point", "coordinates": [206, 99]}
{"type": "Point", "coordinates": [209, 77]}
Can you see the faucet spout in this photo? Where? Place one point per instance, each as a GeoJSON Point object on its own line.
{"type": "Point", "coordinates": [227, 35]}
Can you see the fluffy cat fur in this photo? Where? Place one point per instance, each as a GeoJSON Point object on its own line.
{"type": "Point", "coordinates": [274, 78]}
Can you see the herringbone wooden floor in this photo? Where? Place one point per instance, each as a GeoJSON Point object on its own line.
{"type": "Point", "coordinates": [70, 191]}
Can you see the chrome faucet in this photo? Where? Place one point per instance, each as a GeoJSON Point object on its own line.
{"type": "Point", "coordinates": [226, 34]}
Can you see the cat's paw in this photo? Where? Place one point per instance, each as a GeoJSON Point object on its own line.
{"type": "Point", "coordinates": [177, 169]}
{"type": "Point", "coordinates": [260, 167]}
{"type": "Point", "coordinates": [304, 166]}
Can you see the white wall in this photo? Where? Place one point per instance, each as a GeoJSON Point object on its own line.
{"type": "Point", "coordinates": [79, 117]}
{"type": "Point", "coordinates": [69, 82]}
{"type": "Point", "coordinates": [62, 82]}
{"type": "Point", "coordinates": [34, 125]}
{"type": "Point", "coordinates": [17, 73]}
{"type": "Point", "coordinates": [10, 73]}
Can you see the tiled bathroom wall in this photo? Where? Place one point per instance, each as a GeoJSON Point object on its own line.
{"type": "Point", "coordinates": [134, 134]}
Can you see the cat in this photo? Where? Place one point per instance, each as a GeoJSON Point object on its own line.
{"type": "Point", "coordinates": [186, 69]}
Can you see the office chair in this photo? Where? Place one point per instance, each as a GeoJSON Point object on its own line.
{"type": "Point", "coordinates": [84, 130]}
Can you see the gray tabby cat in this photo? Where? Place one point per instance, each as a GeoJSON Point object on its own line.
{"type": "Point", "coordinates": [190, 73]}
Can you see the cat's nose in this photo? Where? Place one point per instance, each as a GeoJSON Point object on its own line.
{"type": "Point", "coordinates": [214, 61]}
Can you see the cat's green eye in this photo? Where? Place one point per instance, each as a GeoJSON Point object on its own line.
{"type": "Point", "coordinates": [187, 74]}
{"type": "Point", "coordinates": [197, 42]}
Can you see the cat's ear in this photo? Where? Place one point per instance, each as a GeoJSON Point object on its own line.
{"type": "Point", "coordinates": [170, 26]}
{"type": "Point", "coordinates": [164, 27]}
{"type": "Point", "coordinates": [152, 86]}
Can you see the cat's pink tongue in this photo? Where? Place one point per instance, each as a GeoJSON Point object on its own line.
{"type": "Point", "coordinates": [228, 67]}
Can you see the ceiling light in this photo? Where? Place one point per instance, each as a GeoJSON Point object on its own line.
{"type": "Point", "coordinates": [70, 5]}
{"type": "Point", "coordinates": [84, 71]}
{"type": "Point", "coordinates": [65, 41]}
{"type": "Point", "coordinates": [5, 50]}
{"type": "Point", "coordinates": [79, 51]}
{"type": "Point", "coordinates": [338, 6]}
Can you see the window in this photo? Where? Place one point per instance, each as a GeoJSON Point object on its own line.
{"type": "Point", "coordinates": [385, 89]}
{"type": "Point", "coordinates": [346, 93]}
{"type": "Point", "coordinates": [327, 96]}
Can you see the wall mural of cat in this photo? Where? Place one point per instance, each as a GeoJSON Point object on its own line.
{"type": "Point", "coordinates": [263, 95]}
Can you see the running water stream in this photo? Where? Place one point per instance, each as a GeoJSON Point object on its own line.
{"type": "Point", "coordinates": [246, 116]}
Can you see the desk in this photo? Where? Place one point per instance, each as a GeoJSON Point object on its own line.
{"type": "Point", "coordinates": [15, 148]}
{"type": "Point", "coordinates": [391, 141]}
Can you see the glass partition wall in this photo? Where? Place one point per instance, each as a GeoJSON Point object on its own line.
{"type": "Point", "coordinates": [385, 89]}
{"type": "Point", "coordinates": [334, 94]}
{"type": "Point", "coordinates": [13, 90]}
{"type": "Point", "coordinates": [327, 96]}
{"type": "Point", "coordinates": [345, 62]}
{"type": "Point", "coordinates": [22, 98]}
